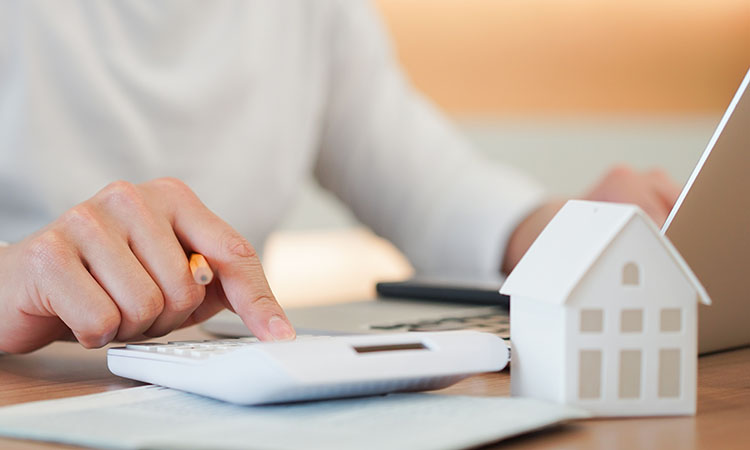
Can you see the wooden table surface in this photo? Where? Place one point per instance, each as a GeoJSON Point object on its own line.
{"type": "Point", "coordinates": [723, 419]}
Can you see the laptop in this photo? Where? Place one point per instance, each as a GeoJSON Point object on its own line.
{"type": "Point", "coordinates": [709, 225]}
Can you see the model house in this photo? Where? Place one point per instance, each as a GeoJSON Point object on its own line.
{"type": "Point", "coordinates": [604, 315]}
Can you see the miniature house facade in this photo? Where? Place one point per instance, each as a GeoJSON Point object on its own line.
{"type": "Point", "coordinates": [604, 315]}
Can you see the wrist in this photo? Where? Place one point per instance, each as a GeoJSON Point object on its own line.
{"type": "Point", "coordinates": [527, 231]}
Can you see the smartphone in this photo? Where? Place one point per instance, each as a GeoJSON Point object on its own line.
{"type": "Point", "coordinates": [444, 290]}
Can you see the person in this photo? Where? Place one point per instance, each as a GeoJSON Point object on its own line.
{"type": "Point", "coordinates": [211, 114]}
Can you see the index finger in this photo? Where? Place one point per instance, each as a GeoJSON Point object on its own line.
{"type": "Point", "coordinates": [236, 265]}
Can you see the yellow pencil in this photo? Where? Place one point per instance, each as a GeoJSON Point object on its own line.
{"type": "Point", "coordinates": [202, 272]}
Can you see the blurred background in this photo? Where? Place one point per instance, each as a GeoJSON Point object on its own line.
{"type": "Point", "coordinates": [561, 88]}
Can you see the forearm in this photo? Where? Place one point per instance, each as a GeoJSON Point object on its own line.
{"type": "Point", "coordinates": [406, 171]}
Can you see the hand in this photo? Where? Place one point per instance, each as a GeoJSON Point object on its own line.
{"type": "Point", "coordinates": [653, 191]}
{"type": "Point", "coordinates": [115, 268]}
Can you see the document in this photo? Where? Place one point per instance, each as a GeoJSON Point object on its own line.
{"type": "Point", "coordinates": [152, 417]}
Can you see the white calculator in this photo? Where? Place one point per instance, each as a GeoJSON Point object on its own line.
{"type": "Point", "coordinates": [248, 372]}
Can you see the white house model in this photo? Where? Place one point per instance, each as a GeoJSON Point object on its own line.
{"type": "Point", "coordinates": [604, 315]}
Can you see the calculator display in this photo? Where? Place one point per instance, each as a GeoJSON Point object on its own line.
{"type": "Point", "coordinates": [389, 347]}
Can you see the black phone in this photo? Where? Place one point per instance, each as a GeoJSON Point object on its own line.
{"type": "Point", "coordinates": [444, 290]}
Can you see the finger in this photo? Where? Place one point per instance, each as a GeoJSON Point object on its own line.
{"type": "Point", "coordinates": [157, 250]}
{"type": "Point", "coordinates": [134, 292]}
{"type": "Point", "coordinates": [215, 301]}
{"type": "Point", "coordinates": [111, 262]}
{"type": "Point", "coordinates": [73, 295]}
{"type": "Point", "coordinates": [207, 309]}
{"type": "Point", "coordinates": [161, 254]}
{"type": "Point", "coordinates": [240, 273]}
{"type": "Point", "coordinates": [665, 188]}
{"type": "Point", "coordinates": [234, 260]}
{"type": "Point", "coordinates": [620, 185]}
{"type": "Point", "coordinates": [623, 184]}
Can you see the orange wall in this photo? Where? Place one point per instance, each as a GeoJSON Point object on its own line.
{"type": "Point", "coordinates": [503, 57]}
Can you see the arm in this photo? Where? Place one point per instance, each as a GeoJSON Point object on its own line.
{"type": "Point", "coordinates": [404, 170]}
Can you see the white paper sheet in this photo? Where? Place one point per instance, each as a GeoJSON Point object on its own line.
{"type": "Point", "coordinates": [152, 417]}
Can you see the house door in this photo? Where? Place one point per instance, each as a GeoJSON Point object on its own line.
{"type": "Point", "coordinates": [589, 374]}
{"type": "Point", "coordinates": [630, 374]}
{"type": "Point", "coordinates": [669, 372]}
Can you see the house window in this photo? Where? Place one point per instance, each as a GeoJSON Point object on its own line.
{"type": "Point", "coordinates": [630, 374]}
{"type": "Point", "coordinates": [670, 320]}
{"type": "Point", "coordinates": [589, 374]}
{"type": "Point", "coordinates": [631, 274]}
{"type": "Point", "coordinates": [592, 320]}
{"type": "Point", "coordinates": [669, 372]}
{"type": "Point", "coordinates": [631, 320]}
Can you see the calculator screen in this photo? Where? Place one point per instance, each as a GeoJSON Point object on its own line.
{"type": "Point", "coordinates": [389, 347]}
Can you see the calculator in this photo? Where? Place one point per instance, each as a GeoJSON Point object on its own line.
{"type": "Point", "coordinates": [248, 372]}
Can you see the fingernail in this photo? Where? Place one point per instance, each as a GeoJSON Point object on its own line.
{"type": "Point", "coordinates": [280, 329]}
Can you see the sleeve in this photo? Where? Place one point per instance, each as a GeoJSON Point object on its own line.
{"type": "Point", "coordinates": [402, 167]}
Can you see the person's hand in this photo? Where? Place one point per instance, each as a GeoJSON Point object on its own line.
{"type": "Point", "coordinates": [653, 191]}
{"type": "Point", "coordinates": [115, 268]}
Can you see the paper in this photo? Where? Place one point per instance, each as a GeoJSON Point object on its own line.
{"type": "Point", "coordinates": [152, 417]}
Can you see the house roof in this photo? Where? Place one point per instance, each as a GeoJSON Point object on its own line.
{"type": "Point", "coordinates": [572, 242]}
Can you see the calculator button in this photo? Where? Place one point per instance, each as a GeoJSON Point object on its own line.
{"type": "Point", "coordinates": [148, 346]}
{"type": "Point", "coordinates": [183, 350]}
{"type": "Point", "coordinates": [217, 348]}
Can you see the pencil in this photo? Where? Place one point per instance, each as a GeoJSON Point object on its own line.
{"type": "Point", "coordinates": [202, 272]}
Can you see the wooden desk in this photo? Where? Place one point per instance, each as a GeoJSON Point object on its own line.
{"type": "Point", "coordinates": [65, 369]}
